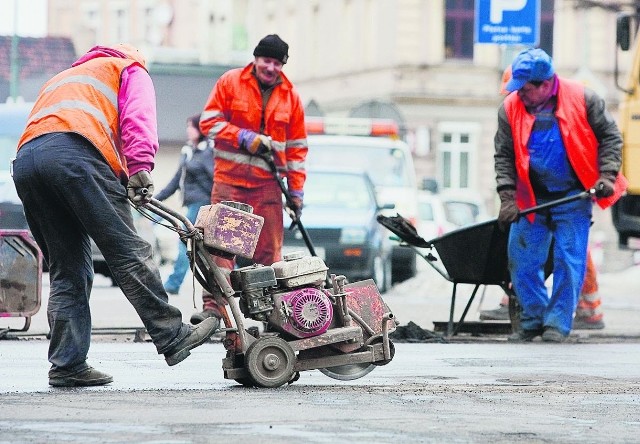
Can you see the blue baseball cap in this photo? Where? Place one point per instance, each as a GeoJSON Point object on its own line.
{"type": "Point", "coordinates": [530, 65]}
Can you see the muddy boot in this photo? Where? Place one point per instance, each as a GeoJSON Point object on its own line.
{"type": "Point", "coordinates": [84, 378]}
{"type": "Point", "coordinates": [198, 336]}
{"type": "Point", "coordinates": [498, 314]}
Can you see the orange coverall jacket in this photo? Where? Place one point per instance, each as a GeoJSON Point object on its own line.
{"type": "Point", "coordinates": [236, 103]}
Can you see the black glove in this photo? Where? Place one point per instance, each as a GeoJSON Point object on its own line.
{"type": "Point", "coordinates": [605, 186]}
{"type": "Point", "coordinates": [295, 206]}
{"type": "Point", "coordinates": [140, 188]}
{"type": "Point", "coordinates": [509, 211]}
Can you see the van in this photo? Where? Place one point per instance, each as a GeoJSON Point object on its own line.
{"type": "Point", "coordinates": [372, 145]}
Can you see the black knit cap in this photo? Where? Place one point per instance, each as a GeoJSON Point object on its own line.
{"type": "Point", "coordinates": [272, 46]}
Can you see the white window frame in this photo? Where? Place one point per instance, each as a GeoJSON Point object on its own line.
{"type": "Point", "coordinates": [456, 148]}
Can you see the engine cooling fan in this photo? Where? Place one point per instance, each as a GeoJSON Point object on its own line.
{"type": "Point", "coordinates": [311, 310]}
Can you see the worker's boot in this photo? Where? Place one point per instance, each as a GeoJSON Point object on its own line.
{"type": "Point", "coordinates": [589, 313]}
{"type": "Point", "coordinates": [197, 336]}
{"type": "Point", "coordinates": [86, 377]}
{"type": "Point", "coordinates": [497, 314]}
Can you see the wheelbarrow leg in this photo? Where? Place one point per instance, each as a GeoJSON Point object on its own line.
{"type": "Point", "coordinates": [466, 309]}
{"type": "Point", "coordinates": [451, 309]}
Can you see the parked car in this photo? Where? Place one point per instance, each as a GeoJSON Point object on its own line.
{"type": "Point", "coordinates": [373, 145]}
{"type": "Point", "coordinates": [463, 207]}
{"type": "Point", "coordinates": [13, 118]}
{"type": "Point", "coordinates": [340, 209]}
{"type": "Point", "coordinates": [432, 216]}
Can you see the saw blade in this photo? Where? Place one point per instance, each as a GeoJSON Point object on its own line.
{"type": "Point", "coordinates": [348, 372]}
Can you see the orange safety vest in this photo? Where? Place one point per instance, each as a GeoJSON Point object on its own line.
{"type": "Point", "coordinates": [579, 141]}
{"type": "Point", "coordinates": [84, 100]}
{"type": "Point", "coordinates": [236, 103]}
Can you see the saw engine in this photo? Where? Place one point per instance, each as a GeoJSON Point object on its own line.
{"type": "Point", "coordinates": [287, 295]}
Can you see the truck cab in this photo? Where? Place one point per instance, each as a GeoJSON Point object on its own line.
{"type": "Point", "coordinates": [626, 211]}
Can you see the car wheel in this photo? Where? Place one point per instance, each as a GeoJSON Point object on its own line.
{"type": "Point", "coordinates": [381, 273]}
{"type": "Point", "coordinates": [403, 270]}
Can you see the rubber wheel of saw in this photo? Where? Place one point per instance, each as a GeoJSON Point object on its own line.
{"type": "Point", "coordinates": [269, 361]}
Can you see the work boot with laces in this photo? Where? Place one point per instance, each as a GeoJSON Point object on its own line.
{"type": "Point", "coordinates": [198, 336]}
{"type": "Point", "coordinates": [524, 335]}
{"type": "Point", "coordinates": [86, 377]}
{"type": "Point", "coordinates": [497, 314]}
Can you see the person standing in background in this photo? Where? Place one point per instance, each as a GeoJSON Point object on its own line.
{"type": "Point", "coordinates": [252, 112]}
{"type": "Point", "coordinates": [541, 156]}
{"type": "Point", "coordinates": [589, 314]}
{"type": "Point", "coordinates": [194, 178]}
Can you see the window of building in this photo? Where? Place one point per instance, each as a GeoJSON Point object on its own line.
{"type": "Point", "coordinates": [458, 34]}
{"type": "Point", "coordinates": [457, 151]}
{"type": "Point", "coordinates": [459, 23]}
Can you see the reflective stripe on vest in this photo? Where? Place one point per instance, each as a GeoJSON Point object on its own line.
{"type": "Point", "coordinates": [83, 99]}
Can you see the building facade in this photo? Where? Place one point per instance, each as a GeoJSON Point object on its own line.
{"type": "Point", "coordinates": [414, 60]}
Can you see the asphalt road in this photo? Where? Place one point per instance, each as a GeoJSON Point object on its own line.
{"type": "Point", "coordinates": [433, 393]}
{"type": "Point", "coordinates": [469, 389]}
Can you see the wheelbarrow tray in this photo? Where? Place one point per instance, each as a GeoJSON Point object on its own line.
{"type": "Point", "coordinates": [475, 254]}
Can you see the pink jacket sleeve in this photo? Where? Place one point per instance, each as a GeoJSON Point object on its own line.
{"type": "Point", "coordinates": [138, 124]}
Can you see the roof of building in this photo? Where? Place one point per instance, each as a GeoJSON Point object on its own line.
{"type": "Point", "coordinates": [37, 55]}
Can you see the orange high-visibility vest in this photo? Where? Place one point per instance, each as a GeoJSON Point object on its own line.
{"type": "Point", "coordinates": [84, 100]}
{"type": "Point", "coordinates": [579, 140]}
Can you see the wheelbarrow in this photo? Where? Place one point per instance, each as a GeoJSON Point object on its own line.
{"type": "Point", "coordinates": [341, 330]}
{"type": "Point", "coordinates": [475, 254]}
{"type": "Point", "coordinates": [20, 277]}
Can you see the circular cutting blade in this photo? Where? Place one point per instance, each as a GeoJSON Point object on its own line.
{"type": "Point", "coordinates": [348, 372]}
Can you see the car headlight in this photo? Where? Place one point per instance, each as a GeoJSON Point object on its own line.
{"type": "Point", "coordinates": [353, 235]}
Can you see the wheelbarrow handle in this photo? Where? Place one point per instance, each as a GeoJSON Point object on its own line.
{"type": "Point", "coordinates": [584, 195]}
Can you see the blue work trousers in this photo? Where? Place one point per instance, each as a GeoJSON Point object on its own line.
{"type": "Point", "coordinates": [568, 225]}
{"type": "Point", "coordinates": [71, 194]}
{"type": "Point", "coordinates": [181, 265]}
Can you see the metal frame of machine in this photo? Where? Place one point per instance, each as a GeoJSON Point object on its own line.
{"type": "Point", "coordinates": [343, 330]}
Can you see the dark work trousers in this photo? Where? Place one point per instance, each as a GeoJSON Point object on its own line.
{"type": "Point", "coordinates": [70, 194]}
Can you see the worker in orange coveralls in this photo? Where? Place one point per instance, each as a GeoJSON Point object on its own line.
{"type": "Point", "coordinates": [252, 112]}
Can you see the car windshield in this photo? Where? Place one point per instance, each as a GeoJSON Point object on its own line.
{"type": "Point", "coordinates": [386, 166]}
{"type": "Point", "coordinates": [347, 191]}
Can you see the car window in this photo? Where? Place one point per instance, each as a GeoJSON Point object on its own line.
{"type": "Point", "coordinates": [348, 191]}
{"type": "Point", "coordinates": [386, 166]}
{"type": "Point", "coordinates": [425, 211]}
{"type": "Point", "coordinates": [461, 213]}
{"type": "Point", "coordinates": [7, 150]}
{"type": "Point", "coordinates": [13, 119]}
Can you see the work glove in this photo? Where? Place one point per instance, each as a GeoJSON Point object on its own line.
{"type": "Point", "coordinates": [140, 188]}
{"type": "Point", "coordinates": [509, 211]}
{"type": "Point", "coordinates": [253, 142]}
{"type": "Point", "coordinates": [605, 185]}
{"type": "Point", "coordinates": [294, 206]}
